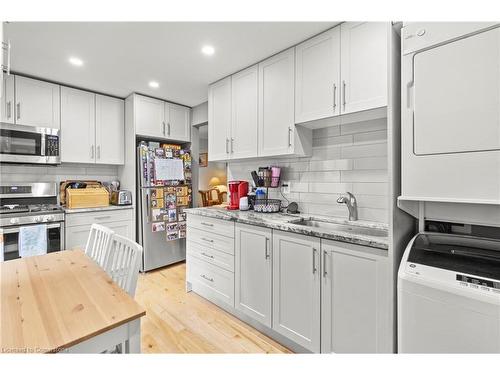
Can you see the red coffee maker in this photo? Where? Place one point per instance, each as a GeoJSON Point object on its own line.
{"type": "Point", "coordinates": [237, 190]}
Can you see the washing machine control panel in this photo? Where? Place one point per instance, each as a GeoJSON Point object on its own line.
{"type": "Point", "coordinates": [478, 283]}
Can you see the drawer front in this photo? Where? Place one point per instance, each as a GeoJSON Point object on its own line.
{"type": "Point", "coordinates": [211, 282]}
{"type": "Point", "coordinates": [212, 256]}
{"type": "Point", "coordinates": [222, 227]}
{"type": "Point", "coordinates": [211, 240]}
{"type": "Point", "coordinates": [88, 218]}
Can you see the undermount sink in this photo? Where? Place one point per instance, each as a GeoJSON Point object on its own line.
{"type": "Point", "coordinates": [342, 228]}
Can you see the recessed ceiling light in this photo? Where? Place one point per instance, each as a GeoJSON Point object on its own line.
{"type": "Point", "coordinates": [154, 84]}
{"type": "Point", "coordinates": [208, 50]}
{"type": "Point", "coordinates": [75, 61]}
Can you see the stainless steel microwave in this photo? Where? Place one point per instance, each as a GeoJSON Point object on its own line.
{"type": "Point", "coordinates": [29, 144]}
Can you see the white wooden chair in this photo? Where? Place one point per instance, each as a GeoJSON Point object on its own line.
{"type": "Point", "coordinates": [123, 263]}
{"type": "Point", "coordinates": [99, 243]}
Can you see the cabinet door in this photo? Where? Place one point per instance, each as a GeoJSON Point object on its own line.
{"type": "Point", "coordinates": [109, 130]}
{"type": "Point", "coordinates": [149, 117]}
{"type": "Point", "coordinates": [177, 119]}
{"type": "Point", "coordinates": [276, 104]}
{"type": "Point", "coordinates": [219, 119]}
{"type": "Point", "coordinates": [8, 99]}
{"type": "Point", "coordinates": [363, 65]}
{"type": "Point", "coordinates": [77, 126]}
{"type": "Point", "coordinates": [296, 288]}
{"type": "Point", "coordinates": [355, 305]}
{"type": "Point", "coordinates": [253, 272]}
{"type": "Point", "coordinates": [37, 103]}
{"type": "Point", "coordinates": [317, 77]}
{"type": "Point", "coordinates": [244, 113]}
{"type": "Point", "coordinates": [76, 237]}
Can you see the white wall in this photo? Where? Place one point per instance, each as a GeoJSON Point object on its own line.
{"type": "Point", "coordinates": [350, 157]}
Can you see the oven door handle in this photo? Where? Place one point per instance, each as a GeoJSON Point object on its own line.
{"type": "Point", "coordinates": [16, 229]}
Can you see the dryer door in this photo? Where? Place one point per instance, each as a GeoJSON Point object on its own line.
{"type": "Point", "coordinates": [456, 96]}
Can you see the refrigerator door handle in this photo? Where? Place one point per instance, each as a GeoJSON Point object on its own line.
{"type": "Point", "coordinates": [148, 207]}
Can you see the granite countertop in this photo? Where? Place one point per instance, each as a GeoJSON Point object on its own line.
{"type": "Point", "coordinates": [288, 222]}
{"type": "Point", "coordinates": [96, 209]}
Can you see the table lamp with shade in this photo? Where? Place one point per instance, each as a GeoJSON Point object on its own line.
{"type": "Point", "coordinates": [216, 183]}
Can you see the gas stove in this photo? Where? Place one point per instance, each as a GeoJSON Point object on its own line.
{"type": "Point", "coordinates": [29, 204]}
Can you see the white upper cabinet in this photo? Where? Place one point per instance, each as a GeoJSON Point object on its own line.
{"type": "Point", "coordinates": [77, 126]}
{"type": "Point", "coordinates": [109, 130]}
{"type": "Point", "coordinates": [219, 119]}
{"type": "Point", "coordinates": [243, 142]}
{"type": "Point", "coordinates": [8, 99]}
{"type": "Point", "coordinates": [276, 104]}
{"type": "Point", "coordinates": [296, 288]}
{"type": "Point", "coordinates": [177, 122]}
{"type": "Point", "coordinates": [363, 65]}
{"type": "Point", "coordinates": [149, 117]}
{"type": "Point", "coordinates": [317, 77]}
{"type": "Point", "coordinates": [253, 270]}
{"type": "Point", "coordinates": [37, 103]}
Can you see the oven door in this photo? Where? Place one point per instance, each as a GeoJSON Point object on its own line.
{"type": "Point", "coordinates": [9, 240]}
{"type": "Point", "coordinates": [28, 144]}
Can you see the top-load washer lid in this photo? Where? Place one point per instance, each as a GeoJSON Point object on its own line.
{"type": "Point", "coordinates": [465, 254]}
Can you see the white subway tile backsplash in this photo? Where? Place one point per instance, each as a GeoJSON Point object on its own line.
{"type": "Point", "coordinates": [65, 171]}
{"type": "Point", "coordinates": [368, 175]}
{"type": "Point", "coordinates": [351, 157]}
{"type": "Point", "coordinates": [370, 163]}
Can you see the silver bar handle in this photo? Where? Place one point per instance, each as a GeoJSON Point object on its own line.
{"type": "Point", "coordinates": [325, 254]}
{"type": "Point", "coordinates": [18, 111]}
{"type": "Point", "coordinates": [98, 152]}
{"type": "Point", "coordinates": [168, 124]}
{"type": "Point", "coordinates": [9, 109]}
{"type": "Point", "coordinates": [163, 127]}
{"type": "Point", "coordinates": [207, 240]}
{"type": "Point", "coordinates": [207, 224]}
{"type": "Point", "coordinates": [92, 151]}
{"type": "Point", "coordinates": [6, 46]}
{"type": "Point", "coordinates": [267, 249]}
{"type": "Point", "coordinates": [16, 229]}
{"type": "Point", "coordinates": [343, 93]}
{"type": "Point", "coordinates": [103, 217]}
{"type": "Point", "coordinates": [289, 136]}
{"type": "Point", "coordinates": [207, 278]}
{"type": "Point", "coordinates": [227, 147]}
{"type": "Point", "coordinates": [232, 145]}
{"type": "Point", "coordinates": [207, 255]}
{"type": "Point", "coordinates": [314, 260]}
{"type": "Point", "coordinates": [334, 97]}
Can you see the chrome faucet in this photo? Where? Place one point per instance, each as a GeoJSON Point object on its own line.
{"type": "Point", "coordinates": [351, 204]}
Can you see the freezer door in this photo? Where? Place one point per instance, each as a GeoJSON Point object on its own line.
{"type": "Point", "coordinates": [158, 252]}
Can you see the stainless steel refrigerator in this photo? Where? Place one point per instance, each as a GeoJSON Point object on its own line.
{"type": "Point", "coordinates": [164, 179]}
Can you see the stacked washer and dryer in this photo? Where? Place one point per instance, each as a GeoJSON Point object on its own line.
{"type": "Point", "coordinates": [449, 284]}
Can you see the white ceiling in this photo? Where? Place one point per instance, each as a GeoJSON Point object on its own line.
{"type": "Point", "coordinates": [122, 57]}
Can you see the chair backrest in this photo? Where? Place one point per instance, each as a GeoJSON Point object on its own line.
{"type": "Point", "coordinates": [99, 243]}
{"type": "Point", "coordinates": [124, 262]}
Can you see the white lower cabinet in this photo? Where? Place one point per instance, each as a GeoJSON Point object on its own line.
{"type": "Point", "coordinates": [355, 316]}
{"type": "Point", "coordinates": [296, 288]}
{"type": "Point", "coordinates": [325, 296]}
{"type": "Point", "coordinates": [253, 272]}
{"type": "Point", "coordinates": [77, 225]}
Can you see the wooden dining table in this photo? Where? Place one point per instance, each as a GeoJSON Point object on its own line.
{"type": "Point", "coordinates": [64, 302]}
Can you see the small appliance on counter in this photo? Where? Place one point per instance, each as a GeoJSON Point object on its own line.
{"type": "Point", "coordinates": [121, 198]}
{"type": "Point", "coordinates": [237, 190]}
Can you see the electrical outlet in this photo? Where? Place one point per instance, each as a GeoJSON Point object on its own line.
{"type": "Point", "coordinates": [285, 187]}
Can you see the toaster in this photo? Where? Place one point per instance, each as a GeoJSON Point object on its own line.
{"type": "Point", "coordinates": [121, 197]}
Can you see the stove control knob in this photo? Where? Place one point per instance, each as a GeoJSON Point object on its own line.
{"type": "Point", "coordinates": [14, 220]}
{"type": "Point", "coordinates": [38, 219]}
{"type": "Point", "coordinates": [49, 218]}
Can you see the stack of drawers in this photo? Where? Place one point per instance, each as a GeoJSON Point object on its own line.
{"type": "Point", "coordinates": [210, 253]}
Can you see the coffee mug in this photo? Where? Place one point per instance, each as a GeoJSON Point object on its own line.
{"type": "Point", "coordinates": [244, 203]}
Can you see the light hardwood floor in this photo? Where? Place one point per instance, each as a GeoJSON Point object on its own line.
{"type": "Point", "coordinates": [180, 322]}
